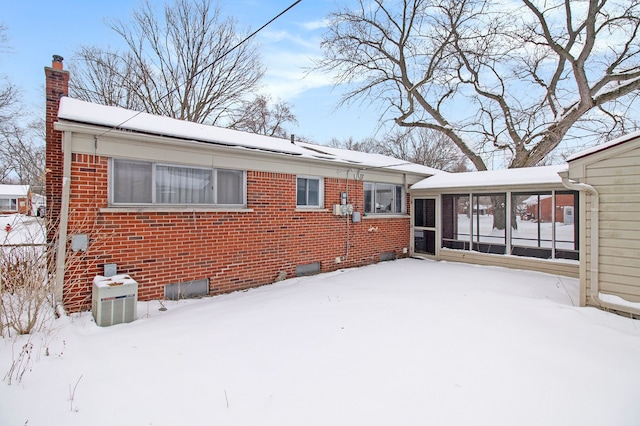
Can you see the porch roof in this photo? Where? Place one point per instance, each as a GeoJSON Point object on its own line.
{"type": "Point", "coordinates": [526, 176]}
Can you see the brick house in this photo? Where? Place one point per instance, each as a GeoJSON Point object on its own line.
{"type": "Point", "coordinates": [15, 199]}
{"type": "Point", "coordinates": [541, 207]}
{"type": "Point", "coordinates": [189, 209]}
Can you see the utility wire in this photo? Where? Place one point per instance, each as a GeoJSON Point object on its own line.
{"type": "Point", "coordinates": [247, 38]}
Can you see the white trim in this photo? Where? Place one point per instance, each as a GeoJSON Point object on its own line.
{"type": "Point", "coordinates": [320, 204]}
{"type": "Point", "coordinates": [173, 209]}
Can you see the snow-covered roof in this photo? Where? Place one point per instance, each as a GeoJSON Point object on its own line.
{"type": "Point", "coordinates": [602, 147]}
{"type": "Point", "coordinates": [493, 178]}
{"type": "Point", "coordinates": [120, 118]}
{"type": "Point", "coordinates": [14, 190]}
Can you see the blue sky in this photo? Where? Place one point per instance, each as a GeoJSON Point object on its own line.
{"type": "Point", "coordinates": [37, 29]}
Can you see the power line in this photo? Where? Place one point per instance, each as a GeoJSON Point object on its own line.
{"type": "Point", "coordinates": [247, 38]}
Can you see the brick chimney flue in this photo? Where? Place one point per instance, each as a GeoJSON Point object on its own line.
{"type": "Point", "coordinates": [57, 62]}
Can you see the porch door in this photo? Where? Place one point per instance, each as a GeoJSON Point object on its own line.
{"type": "Point", "coordinates": [424, 225]}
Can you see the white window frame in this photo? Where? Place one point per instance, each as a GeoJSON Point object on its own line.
{"type": "Point", "coordinates": [374, 202]}
{"type": "Point", "coordinates": [320, 192]}
{"type": "Point", "coordinates": [154, 201]}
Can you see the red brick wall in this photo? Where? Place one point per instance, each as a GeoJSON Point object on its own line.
{"type": "Point", "coordinates": [546, 205]}
{"type": "Point", "coordinates": [234, 250]}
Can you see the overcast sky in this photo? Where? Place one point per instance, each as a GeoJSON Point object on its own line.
{"type": "Point", "coordinates": [37, 29]}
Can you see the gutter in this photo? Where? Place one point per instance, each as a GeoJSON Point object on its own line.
{"type": "Point", "coordinates": [61, 250]}
{"type": "Point", "coordinates": [595, 245]}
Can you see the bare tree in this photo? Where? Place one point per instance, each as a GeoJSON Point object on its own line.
{"type": "Point", "coordinates": [9, 94]}
{"type": "Point", "coordinates": [264, 117]}
{"type": "Point", "coordinates": [370, 145]}
{"type": "Point", "coordinates": [8, 101]}
{"type": "Point", "coordinates": [106, 77]}
{"type": "Point", "coordinates": [424, 146]}
{"type": "Point", "coordinates": [22, 154]}
{"type": "Point", "coordinates": [189, 64]}
{"type": "Point", "coordinates": [419, 146]}
{"type": "Point", "coordinates": [516, 78]}
{"type": "Point", "coordinates": [22, 157]}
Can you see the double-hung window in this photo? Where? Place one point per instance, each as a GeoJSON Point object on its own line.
{"type": "Point", "coordinates": [309, 192]}
{"type": "Point", "coordinates": [384, 198]}
{"type": "Point", "coordinates": [143, 182]}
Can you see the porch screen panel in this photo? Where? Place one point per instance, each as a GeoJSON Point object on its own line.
{"type": "Point", "coordinates": [532, 233]}
{"type": "Point", "coordinates": [489, 221]}
{"type": "Point", "coordinates": [545, 225]}
{"type": "Point", "coordinates": [424, 217]}
{"type": "Point", "coordinates": [566, 225]}
{"type": "Point", "coordinates": [456, 225]}
{"type": "Point", "coordinates": [424, 241]}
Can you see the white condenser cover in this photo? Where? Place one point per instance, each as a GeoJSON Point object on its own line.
{"type": "Point", "coordinates": [114, 299]}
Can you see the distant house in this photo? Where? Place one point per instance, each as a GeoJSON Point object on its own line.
{"type": "Point", "coordinates": [15, 199]}
{"type": "Point", "coordinates": [188, 209]}
{"type": "Point", "coordinates": [545, 208]}
{"type": "Point", "coordinates": [609, 177]}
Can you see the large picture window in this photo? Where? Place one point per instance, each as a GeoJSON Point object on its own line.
{"type": "Point", "coordinates": [309, 192]}
{"type": "Point", "coordinates": [384, 198]}
{"type": "Point", "coordinates": [142, 182]}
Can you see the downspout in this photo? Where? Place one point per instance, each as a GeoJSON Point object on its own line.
{"type": "Point", "coordinates": [595, 244]}
{"type": "Point", "coordinates": [61, 250]}
{"type": "Point", "coordinates": [357, 175]}
{"type": "Point", "coordinates": [347, 216]}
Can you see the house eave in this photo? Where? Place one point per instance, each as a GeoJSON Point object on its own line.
{"type": "Point", "coordinates": [101, 133]}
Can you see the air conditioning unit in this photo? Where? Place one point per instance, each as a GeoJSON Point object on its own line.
{"type": "Point", "coordinates": [114, 299]}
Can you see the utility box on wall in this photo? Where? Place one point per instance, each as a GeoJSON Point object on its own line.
{"type": "Point", "coordinates": [114, 299]}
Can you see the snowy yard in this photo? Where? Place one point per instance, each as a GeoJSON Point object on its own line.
{"type": "Point", "coordinates": [20, 229]}
{"type": "Point", "coordinates": [409, 342]}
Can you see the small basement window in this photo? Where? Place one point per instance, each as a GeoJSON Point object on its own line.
{"type": "Point", "coordinates": [388, 255]}
{"type": "Point", "coordinates": [308, 269]}
{"type": "Point", "coordinates": [186, 290]}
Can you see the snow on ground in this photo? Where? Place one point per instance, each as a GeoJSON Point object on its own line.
{"type": "Point", "coordinates": [525, 235]}
{"type": "Point", "coordinates": [21, 229]}
{"type": "Point", "coordinates": [408, 342]}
